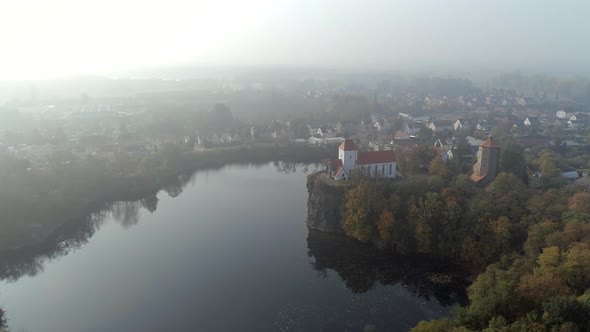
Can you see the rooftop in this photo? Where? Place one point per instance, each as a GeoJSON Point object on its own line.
{"type": "Point", "coordinates": [348, 145]}
{"type": "Point", "coordinates": [376, 157]}
{"type": "Point", "coordinates": [490, 143]}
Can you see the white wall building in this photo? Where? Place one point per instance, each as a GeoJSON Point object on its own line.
{"type": "Point", "coordinates": [374, 164]}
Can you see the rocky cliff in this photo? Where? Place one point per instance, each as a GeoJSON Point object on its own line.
{"type": "Point", "coordinates": [325, 203]}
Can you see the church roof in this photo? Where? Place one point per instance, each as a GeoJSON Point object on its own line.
{"type": "Point", "coordinates": [334, 163]}
{"type": "Point", "coordinates": [490, 143]}
{"type": "Point", "coordinates": [348, 145]}
{"type": "Point", "coordinates": [376, 157]}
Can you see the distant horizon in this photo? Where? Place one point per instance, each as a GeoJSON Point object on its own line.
{"type": "Point", "coordinates": [191, 71]}
{"type": "Point", "coordinates": [64, 38]}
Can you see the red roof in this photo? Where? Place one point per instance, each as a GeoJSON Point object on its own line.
{"type": "Point", "coordinates": [377, 157]}
{"type": "Point", "coordinates": [348, 145]}
{"type": "Point", "coordinates": [334, 163]}
{"type": "Point", "coordinates": [490, 143]}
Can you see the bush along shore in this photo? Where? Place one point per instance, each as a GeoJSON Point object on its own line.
{"type": "Point", "coordinates": [36, 203]}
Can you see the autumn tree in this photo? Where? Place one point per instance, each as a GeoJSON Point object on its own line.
{"type": "Point", "coordinates": [363, 206]}
{"type": "Point", "coordinates": [438, 167]}
{"type": "Point", "coordinates": [384, 226]}
{"type": "Point", "coordinates": [580, 202]}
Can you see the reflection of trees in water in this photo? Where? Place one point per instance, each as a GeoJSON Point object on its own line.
{"type": "Point", "coordinates": [150, 203]}
{"type": "Point", "coordinates": [30, 262]}
{"type": "Point", "coordinates": [126, 213]}
{"type": "Point", "coordinates": [361, 267]}
{"type": "Point", "coordinates": [289, 167]}
{"type": "Point", "coordinates": [176, 184]}
{"type": "Point", "coordinates": [72, 236]}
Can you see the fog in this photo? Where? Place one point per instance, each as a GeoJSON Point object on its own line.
{"type": "Point", "coordinates": [48, 39]}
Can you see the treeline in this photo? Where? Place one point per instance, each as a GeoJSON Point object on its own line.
{"type": "Point", "coordinates": [36, 202]}
{"type": "Point", "coordinates": [535, 245]}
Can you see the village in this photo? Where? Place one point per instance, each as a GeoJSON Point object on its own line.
{"type": "Point", "coordinates": [395, 120]}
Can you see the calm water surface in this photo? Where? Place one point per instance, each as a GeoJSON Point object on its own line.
{"type": "Point", "coordinates": [230, 252]}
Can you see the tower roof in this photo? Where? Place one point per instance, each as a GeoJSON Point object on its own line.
{"type": "Point", "coordinates": [490, 143]}
{"type": "Point", "coordinates": [348, 145]}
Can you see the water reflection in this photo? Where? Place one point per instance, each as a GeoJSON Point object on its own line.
{"type": "Point", "coordinates": [74, 235]}
{"type": "Point", "coordinates": [362, 267]}
{"type": "Point", "coordinates": [289, 167]}
{"type": "Point", "coordinates": [71, 237]}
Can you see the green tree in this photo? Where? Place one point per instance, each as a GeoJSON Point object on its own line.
{"type": "Point", "coordinates": [512, 159]}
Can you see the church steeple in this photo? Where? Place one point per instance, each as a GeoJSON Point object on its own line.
{"type": "Point", "coordinates": [488, 158]}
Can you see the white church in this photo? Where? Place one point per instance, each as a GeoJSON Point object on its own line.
{"type": "Point", "coordinates": [374, 164]}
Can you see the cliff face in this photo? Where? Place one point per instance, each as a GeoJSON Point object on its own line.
{"type": "Point", "coordinates": [325, 203]}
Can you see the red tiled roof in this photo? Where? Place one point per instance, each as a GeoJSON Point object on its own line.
{"type": "Point", "coordinates": [490, 143]}
{"type": "Point", "coordinates": [348, 145]}
{"type": "Point", "coordinates": [377, 157]}
{"type": "Point", "coordinates": [334, 163]}
{"type": "Point", "coordinates": [400, 134]}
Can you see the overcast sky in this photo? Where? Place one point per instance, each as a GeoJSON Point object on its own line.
{"type": "Point", "coordinates": [42, 38]}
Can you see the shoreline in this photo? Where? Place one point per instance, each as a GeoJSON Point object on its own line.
{"type": "Point", "coordinates": [50, 231]}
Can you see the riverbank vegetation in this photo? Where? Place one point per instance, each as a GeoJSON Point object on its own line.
{"type": "Point", "coordinates": [37, 202]}
{"type": "Point", "coordinates": [528, 236]}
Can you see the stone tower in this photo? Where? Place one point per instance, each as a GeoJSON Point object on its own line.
{"type": "Point", "coordinates": [488, 159]}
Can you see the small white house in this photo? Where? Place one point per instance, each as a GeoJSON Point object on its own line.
{"type": "Point", "coordinates": [560, 114]}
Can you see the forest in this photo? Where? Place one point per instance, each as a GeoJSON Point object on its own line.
{"type": "Point", "coordinates": [527, 241]}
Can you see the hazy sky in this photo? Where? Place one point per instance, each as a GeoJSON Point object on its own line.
{"type": "Point", "coordinates": [46, 38]}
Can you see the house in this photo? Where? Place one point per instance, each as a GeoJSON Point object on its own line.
{"type": "Point", "coordinates": [381, 125]}
{"type": "Point", "coordinates": [325, 131]}
{"type": "Point", "coordinates": [560, 114]}
{"type": "Point", "coordinates": [373, 164]}
{"type": "Point", "coordinates": [441, 125]}
{"type": "Point", "coordinates": [570, 176]}
{"type": "Point", "coordinates": [401, 134]}
{"type": "Point", "coordinates": [488, 159]}
{"type": "Point", "coordinates": [572, 117]}
{"type": "Point", "coordinates": [411, 128]}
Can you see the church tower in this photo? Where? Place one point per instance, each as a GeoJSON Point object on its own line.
{"type": "Point", "coordinates": [488, 159]}
{"type": "Point", "coordinates": [348, 154]}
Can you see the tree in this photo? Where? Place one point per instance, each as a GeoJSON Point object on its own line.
{"type": "Point", "coordinates": [384, 226]}
{"type": "Point", "coordinates": [580, 202]}
{"type": "Point", "coordinates": [550, 172]}
{"type": "Point", "coordinates": [576, 267]}
{"type": "Point", "coordinates": [512, 159]}
{"type": "Point", "coordinates": [438, 167]}
{"type": "Point", "coordinates": [362, 208]}
{"type": "Point", "coordinates": [536, 237]}
{"type": "Point", "coordinates": [419, 158]}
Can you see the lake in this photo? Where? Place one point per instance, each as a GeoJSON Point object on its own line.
{"type": "Point", "coordinates": [226, 250]}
